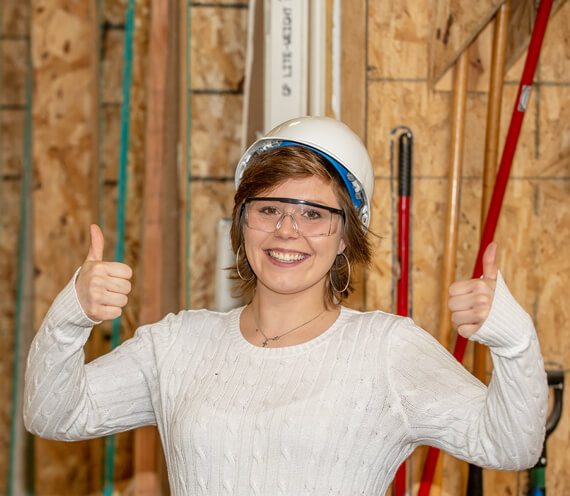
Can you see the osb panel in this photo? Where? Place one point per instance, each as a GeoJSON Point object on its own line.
{"type": "Point", "coordinates": [11, 149]}
{"type": "Point", "coordinates": [62, 106]}
{"type": "Point", "coordinates": [111, 138]}
{"type": "Point", "coordinates": [413, 105]}
{"type": "Point", "coordinates": [479, 66]}
{"type": "Point", "coordinates": [474, 135]}
{"type": "Point", "coordinates": [114, 11]}
{"type": "Point", "coordinates": [429, 201]}
{"type": "Point", "coordinates": [14, 66]}
{"type": "Point", "coordinates": [398, 36]}
{"type": "Point", "coordinates": [9, 231]}
{"type": "Point", "coordinates": [553, 158]}
{"type": "Point", "coordinates": [218, 43]}
{"type": "Point", "coordinates": [62, 154]}
{"type": "Point", "coordinates": [12, 144]}
{"type": "Point", "coordinates": [210, 201]}
{"type": "Point", "coordinates": [216, 134]}
{"type": "Point", "coordinates": [15, 18]}
{"type": "Point", "coordinates": [454, 26]}
{"type": "Point", "coordinates": [544, 142]}
{"type": "Point", "coordinates": [378, 281]}
{"type": "Point", "coordinates": [557, 480]}
{"type": "Point", "coordinates": [113, 46]}
{"type": "Point", "coordinates": [521, 19]}
{"type": "Point", "coordinates": [523, 161]}
{"type": "Point", "coordinates": [555, 54]}
{"type": "Point", "coordinates": [353, 63]}
{"type": "Point", "coordinates": [535, 231]}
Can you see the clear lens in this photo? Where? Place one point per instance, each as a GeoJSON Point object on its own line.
{"type": "Point", "coordinates": [308, 219]}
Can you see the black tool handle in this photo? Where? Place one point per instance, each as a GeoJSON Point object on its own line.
{"type": "Point", "coordinates": [405, 164]}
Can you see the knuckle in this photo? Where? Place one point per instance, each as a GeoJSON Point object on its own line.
{"type": "Point", "coordinates": [482, 300]}
{"type": "Point", "coordinates": [481, 315]}
{"type": "Point", "coordinates": [481, 286]}
{"type": "Point", "coordinates": [98, 269]}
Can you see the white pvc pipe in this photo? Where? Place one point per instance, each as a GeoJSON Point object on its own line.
{"type": "Point", "coordinates": [249, 55]}
{"type": "Point", "coordinates": [336, 56]}
{"type": "Point", "coordinates": [318, 57]}
{"type": "Point", "coordinates": [286, 55]}
{"type": "Point", "coordinates": [225, 258]}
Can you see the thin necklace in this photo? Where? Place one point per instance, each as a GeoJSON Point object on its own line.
{"type": "Point", "coordinates": [277, 338]}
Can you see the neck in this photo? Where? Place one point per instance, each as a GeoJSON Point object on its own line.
{"type": "Point", "coordinates": [276, 313]}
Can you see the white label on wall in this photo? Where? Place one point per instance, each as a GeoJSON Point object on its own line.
{"type": "Point", "coordinates": [285, 60]}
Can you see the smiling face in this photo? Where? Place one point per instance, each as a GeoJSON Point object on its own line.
{"type": "Point", "coordinates": [298, 173]}
{"type": "Point", "coordinates": [286, 262]}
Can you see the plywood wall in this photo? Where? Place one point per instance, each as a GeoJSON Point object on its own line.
{"type": "Point", "coordinates": [385, 56]}
{"type": "Point", "coordinates": [215, 96]}
{"type": "Point", "coordinates": [14, 44]}
{"type": "Point", "coordinates": [533, 230]}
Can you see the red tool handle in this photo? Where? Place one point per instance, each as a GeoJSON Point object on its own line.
{"type": "Point", "coordinates": [404, 191]}
{"type": "Point", "coordinates": [521, 102]}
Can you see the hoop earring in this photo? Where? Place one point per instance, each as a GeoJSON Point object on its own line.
{"type": "Point", "coordinates": [237, 267]}
{"type": "Point", "coordinates": [340, 291]}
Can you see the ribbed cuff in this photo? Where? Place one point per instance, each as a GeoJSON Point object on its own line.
{"type": "Point", "coordinates": [508, 328]}
{"type": "Point", "coordinates": [66, 311]}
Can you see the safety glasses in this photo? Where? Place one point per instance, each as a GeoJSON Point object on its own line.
{"type": "Point", "coordinates": [308, 219]}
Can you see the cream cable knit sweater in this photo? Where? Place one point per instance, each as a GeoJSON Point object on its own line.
{"type": "Point", "coordinates": [336, 415]}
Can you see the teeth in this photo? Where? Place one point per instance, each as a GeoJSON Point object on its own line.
{"type": "Point", "coordinates": [286, 257]}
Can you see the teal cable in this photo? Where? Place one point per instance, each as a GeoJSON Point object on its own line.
{"type": "Point", "coordinates": [188, 153]}
{"type": "Point", "coordinates": [121, 207]}
{"type": "Point", "coordinates": [22, 250]}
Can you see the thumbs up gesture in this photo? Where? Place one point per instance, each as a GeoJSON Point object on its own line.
{"type": "Point", "coordinates": [470, 301]}
{"type": "Point", "coordinates": [102, 287]}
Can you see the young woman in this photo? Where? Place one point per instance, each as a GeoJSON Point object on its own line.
{"type": "Point", "coordinates": [293, 393]}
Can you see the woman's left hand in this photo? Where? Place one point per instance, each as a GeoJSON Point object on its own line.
{"type": "Point", "coordinates": [470, 301]}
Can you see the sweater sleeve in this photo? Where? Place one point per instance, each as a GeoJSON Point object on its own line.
{"type": "Point", "coordinates": [67, 400]}
{"type": "Point", "coordinates": [501, 426]}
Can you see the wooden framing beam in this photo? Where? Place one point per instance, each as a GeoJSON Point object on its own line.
{"type": "Point", "coordinates": [160, 206]}
{"type": "Point", "coordinates": [457, 27]}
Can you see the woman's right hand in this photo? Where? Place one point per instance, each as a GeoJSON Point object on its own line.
{"type": "Point", "coordinates": [102, 287]}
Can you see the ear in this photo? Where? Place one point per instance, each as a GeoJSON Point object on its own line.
{"type": "Point", "coordinates": [341, 246]}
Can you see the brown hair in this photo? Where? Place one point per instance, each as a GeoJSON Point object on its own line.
{"type": "Point", "coordinates": [269, 169]}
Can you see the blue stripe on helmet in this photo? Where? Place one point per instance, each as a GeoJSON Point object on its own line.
{"type": "Point", "coordinates": [344, 173]}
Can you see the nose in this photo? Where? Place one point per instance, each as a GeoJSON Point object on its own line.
{"type": "Point", "coordinates": [285, 228]}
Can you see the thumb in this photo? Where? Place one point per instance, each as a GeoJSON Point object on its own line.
{"type": "Point", "coordinates": [95, 253]}
{"type": "Point", "coordinates": [490, 269]}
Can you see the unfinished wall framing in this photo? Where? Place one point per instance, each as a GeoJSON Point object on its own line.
{"type": "Point", "coordinates": [78, 56]}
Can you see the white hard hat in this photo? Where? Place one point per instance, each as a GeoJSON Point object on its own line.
{"type": "Point", "coordinates": [331, 139]}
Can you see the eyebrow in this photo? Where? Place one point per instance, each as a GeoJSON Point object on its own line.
{"type": "Point", "coordinates": [296, 202]}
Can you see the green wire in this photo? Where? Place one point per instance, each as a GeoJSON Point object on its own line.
{"type": "Point", "coordinates": [121, 206]}
{"type": "Point", "coordinates": [22, 252]}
